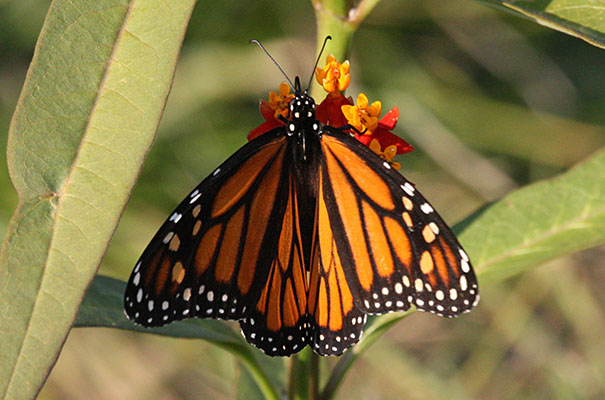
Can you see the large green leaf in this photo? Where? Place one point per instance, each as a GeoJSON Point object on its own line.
{"type": "Point", "coordinates": [102, 307]}
{"type": "Point", "coordinates": [87, 115]}
{"type": "Point", "coordinates": [584, 19]}
{"type": "Point", "coordinates": [540, 222]}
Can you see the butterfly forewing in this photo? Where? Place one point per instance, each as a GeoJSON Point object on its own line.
{"type": "Point", "coordinates": [211, 256]}
{"type": "Point", "coordinates": [402, 252]}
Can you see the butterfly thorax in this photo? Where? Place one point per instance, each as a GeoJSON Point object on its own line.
{"type": "Point", "coordinates": [302, 125]}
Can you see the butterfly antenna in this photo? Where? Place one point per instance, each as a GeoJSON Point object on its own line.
{"type": "Point", "coordinates": [317, 61]}
{"type": "Point", "coordinates": [273, 59]}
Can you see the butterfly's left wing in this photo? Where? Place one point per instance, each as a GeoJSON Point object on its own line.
{"type": "Point", "coordinates": [213, 256]}
{"type": "Point", "coordinates": [396, 251]}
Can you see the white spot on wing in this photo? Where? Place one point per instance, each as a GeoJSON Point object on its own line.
{"type": "Point", "coordinates": [398, 288]}
{"type": "Point", "coordinates": [408, 188]}
{"type": "Point", "coordinates": [426, 208]}
{"type": "Point", "coordinates": [463, 283]}
{"type": "Point", "coordinates": [168, 237]}
{"type": "Point", "coordinates": [464, 265]}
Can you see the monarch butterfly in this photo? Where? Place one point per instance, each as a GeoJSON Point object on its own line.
{"type": "Point", "coordinates": [299, 235]}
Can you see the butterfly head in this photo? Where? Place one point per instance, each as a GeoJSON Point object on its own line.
{"type": "Point", "coordinates": [302, 106]}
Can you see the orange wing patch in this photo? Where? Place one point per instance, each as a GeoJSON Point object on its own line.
{"type": "Point", "coordinates": [225, 263]}
{"type": "Point", "coordinates": [396, 250]}
{"type": "Point", "coordinates": [239, 184]}
{"type": "Point", "coordinates": [364, 176]}
{"type": "Point", "coordinates": [258, 220]}
{"type": "Point", "coordinates": [350, 214]}
{"type": "Point", "coordinates": [339, 323]}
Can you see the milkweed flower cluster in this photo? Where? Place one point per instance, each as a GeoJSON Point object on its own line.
{"type": "Point", "coordinates": [338, 111]}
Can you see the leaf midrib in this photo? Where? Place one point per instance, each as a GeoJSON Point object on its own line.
{"type": "Point", "coordinates": [549, 233]}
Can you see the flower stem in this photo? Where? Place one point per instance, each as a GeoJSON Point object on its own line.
{"type": "Point", "coordinates": [375, 328]}
{"type": "Point", "coordinates": [332, 20]}
{"type": "Point", "coordinates": [300, 379]}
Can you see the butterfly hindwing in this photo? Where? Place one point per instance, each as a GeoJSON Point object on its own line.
{"type": "Point", "coordinates": [277, 322]}
{"type": "Point", "coordinates": [210, 257]}
{"type": "Point", "coordinates": [397, 249]}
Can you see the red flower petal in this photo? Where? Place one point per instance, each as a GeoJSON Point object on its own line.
{"type": "Point", "coordinates": [263, 128]}
{"type": "Point", "coordinates": [386, 139]}
{"type": "Point", "coordinates": [270, 121]}
{"type": "Point", "coordinates": [390, 119]}
{"type": "Point", "coordinates": [266, 111]}
{"type": "Point", "coordinates": [329, 112]}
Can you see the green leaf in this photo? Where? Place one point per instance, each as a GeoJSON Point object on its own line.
{"type": "Point", "coordinates": [584, 19]}
{"type": "Point", "coordinates": [103, 307]}
{"type": "Point", "coordinates": [540, 222]}
{"type": "Point", "coordinates": [87, 115]}
{"type": "Point", "coordinates": [375, 328]}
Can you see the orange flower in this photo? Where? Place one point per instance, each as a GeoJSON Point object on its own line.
{"type": "Point", "coordinates": [387, 154]}
{"type": "Point", "coordinates": [334, 77]}
{"type": "Point", "coordinates": [272, 109]}
{"type": "Point", "coordinates": [338, 111]}
{"type": "Point", "coordinates": [279, 102]}
{"type": "Point", "coordinates": [363, 116]}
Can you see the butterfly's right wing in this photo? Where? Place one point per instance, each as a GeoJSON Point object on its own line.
{"type": "Point", "coordinates": [213, 256]}
{"type": "Point", "coordinates": [396, 251]}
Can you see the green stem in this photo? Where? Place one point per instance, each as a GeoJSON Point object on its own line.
{"type": "Point", "coordinates": [339, 19]}
{"type": "Point", "coordinates": [300, 376]}
{"type": "Point", "coordinates": [375, 328]}
{"type": "Point", "coordinates": [332, 21]}
{"type": "Point", "coordinates": [314, 376]}
{"type": "Point", "coordinates": [260, 377]}
{"type": "Point", "coordinates": [363, 9]}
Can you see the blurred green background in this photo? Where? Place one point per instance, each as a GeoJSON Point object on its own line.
{"type": "Point", "coordinates": [491, 102]}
